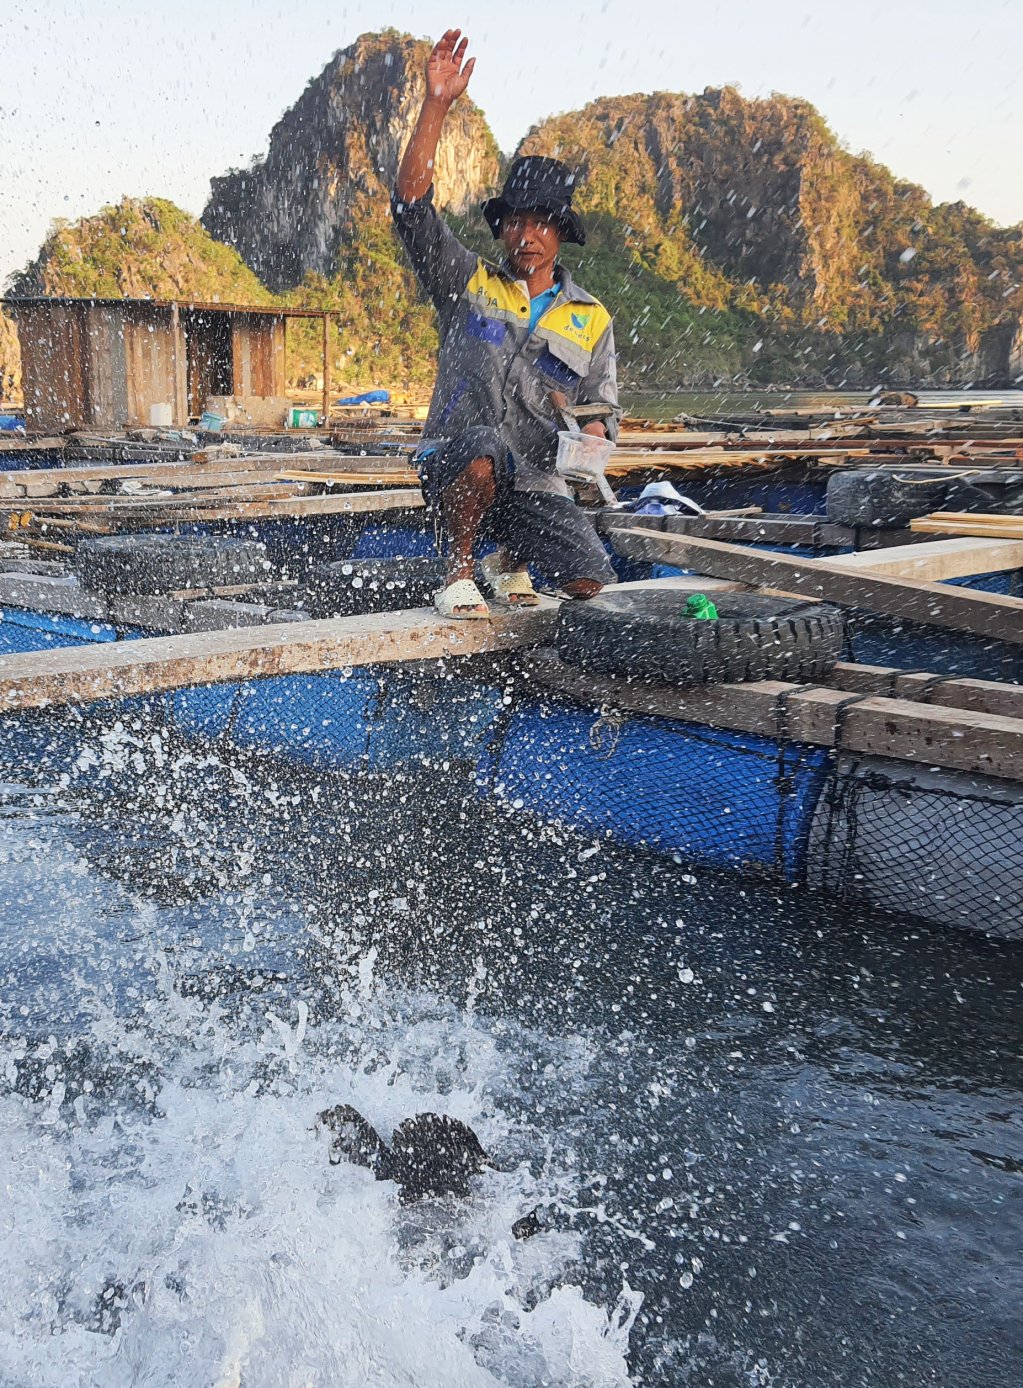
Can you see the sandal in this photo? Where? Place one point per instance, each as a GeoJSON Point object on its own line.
{"type": "Point", "coordinates": [516, 589]}
{"type": "Point", "coordinates": [461, 599]}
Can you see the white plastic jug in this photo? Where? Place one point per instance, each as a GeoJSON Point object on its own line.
{"type": "Point", "coordinates": [583, 458]}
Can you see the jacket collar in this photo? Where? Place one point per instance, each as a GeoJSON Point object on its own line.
{"type": "Point", "coordinates": [567, 285]}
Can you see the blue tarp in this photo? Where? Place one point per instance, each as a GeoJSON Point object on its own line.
{"type": "Point", "coordinates": [368, 397]}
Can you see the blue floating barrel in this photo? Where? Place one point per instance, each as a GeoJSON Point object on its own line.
{"type": "Point", "coordinates": [723, 799]}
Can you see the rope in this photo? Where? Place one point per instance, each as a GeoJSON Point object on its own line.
{"type": "Point", "coordinates": [841, 710]}
{"type": "Point", "coordinates": [610, 723]}
{"type": "Point", "coordinates": [783, 778]}
{"type": "Point", "coordinates": [923, 693]}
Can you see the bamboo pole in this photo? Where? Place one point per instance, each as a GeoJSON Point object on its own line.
{"type": "Point", "coordinates": [326, 370]}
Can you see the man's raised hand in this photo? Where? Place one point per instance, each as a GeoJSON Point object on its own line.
{"type": "Point", "coordinates": [446, 78]}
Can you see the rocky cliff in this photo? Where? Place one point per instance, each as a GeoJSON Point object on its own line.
{"type": "Point", "coordinates": [755, 205]}
{"type": "Point", "coordinates": [733, 238]}
{"type": "Point", "coordinates": [327, 175]}
{"type": "Point", "coordinates": [140, 247]}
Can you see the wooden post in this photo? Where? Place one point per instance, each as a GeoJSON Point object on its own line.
{"type": "Point", "coordinates": [326, 370]}
{"type": "Point", "coordinates": [176, 367]}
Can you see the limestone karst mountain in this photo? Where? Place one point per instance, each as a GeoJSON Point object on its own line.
{"type": "Point", "coordinates": [135, 248]}
{"type": "Point", "coordinates": [755, 204]}
{"type": "Point", "coordinates": [734, 239]}
{"type": "Point", "coordinates": [327, 175]}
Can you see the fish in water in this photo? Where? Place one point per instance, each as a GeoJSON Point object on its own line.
{"type": "Point", "coordinates": [430, 1154]}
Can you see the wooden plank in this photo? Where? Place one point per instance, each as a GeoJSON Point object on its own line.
{"type": "Point", "coordinates": [935, 560]}
{"type": "Point", "coordinates": [167, 510]}
{"type": "Point", "coordinates": [994, 527]}
{"type": "Point", "coordinates": [932, 604]}
{"type": "Point", "coordinates": [983, 696]}
{"type": "Point", "coordinates": [14, 482]}
{"type": "Point", "coordinates": [397, 477]}
{"type": "Point", "coordinates": [980, 743]}
{"type": "Point", "coordinates": [349, 504]}
{"type": "Point", "coordinates": [117, 669]}
{"type": "Point", "coordinates": [197, 501]}
{"type": "Point", "coordinates": [781, 530]}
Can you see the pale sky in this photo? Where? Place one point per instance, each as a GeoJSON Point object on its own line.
{"type": "Point", "coordinates": [103, 98]}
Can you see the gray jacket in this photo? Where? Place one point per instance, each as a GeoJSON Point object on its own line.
{"type": "Point", "coordinates": [492, 370]}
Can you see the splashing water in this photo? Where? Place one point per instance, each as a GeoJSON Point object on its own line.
{"type": "Point", "coordinates": [738, 1109]}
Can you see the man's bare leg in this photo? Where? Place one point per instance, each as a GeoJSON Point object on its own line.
{"type": "Point", "coordinates": [464, 503]}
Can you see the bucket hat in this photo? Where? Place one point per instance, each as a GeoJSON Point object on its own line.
{"type": "Point", "coordinates": [538, 184]}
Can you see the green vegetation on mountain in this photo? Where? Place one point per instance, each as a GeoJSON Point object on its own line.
{"type": "Point", "coordinates": [733, 239]}
{"type": "Point", "coordinates": [754, 207]}
{"type": "Point", "coordinates": [140, 247]}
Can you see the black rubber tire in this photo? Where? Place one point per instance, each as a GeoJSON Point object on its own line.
{"type": "Point", "coordinates": [349, 587]}
{"type": "Point", "coordinates": [647, 636]}
{"type": "Point", "coordinates": [152, 564]}
{"type": "Point", "coordinates": [999, 498]}
{"type": "Point", "coordinates": [880, 497]}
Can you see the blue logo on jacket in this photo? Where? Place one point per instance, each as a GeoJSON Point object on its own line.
{"type": "Point", "coordinates": [556, 369]}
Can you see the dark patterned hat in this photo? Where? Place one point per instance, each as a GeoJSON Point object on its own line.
{"type": "Point", "coordinates": [538, 184]}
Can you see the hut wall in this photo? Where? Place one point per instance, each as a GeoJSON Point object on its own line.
{"type": "Point", "coordinates": [107, 402]}
{"type": "Point", "coordinates": [155, 361]}
{"type": "Point", "coordinates": [259, 356]}
{"type": "Point", "coordinates": [54, 376]}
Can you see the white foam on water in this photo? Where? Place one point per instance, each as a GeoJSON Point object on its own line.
{"type": "Point", "coordinates": [207, 1240]}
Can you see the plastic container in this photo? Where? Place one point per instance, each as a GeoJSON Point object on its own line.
{"type": "Point", "coordinates": [583, 458]}
{"type": "Point", "coordinates": [302, 419]}
{"type": "Point", "coordinates": [212, 423]}
{"type": "Point", "coordinates": [161, 416]}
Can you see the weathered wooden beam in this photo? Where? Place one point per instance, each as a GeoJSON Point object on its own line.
{"type": "Point", "coordinates": [404, 498]}
{"type": "Point", "coordinates": [199, 500]}
{"type": "Point", "coordinates": [950, 691]}
{"type": "Point", "coordinates": [47, 481]}
{"type": "Point", "coordinates": [381, 478]}
{"type": "Point", "coordinates": [117, 669]}
{"type": "Point", "coordinates": [937, 559]}
{"type": "Point", "coordinates": [932, 604]}
{"type": "Point", "coordinates": [980, 743]}
{"type": "Point", "coordinates": [995, 527]}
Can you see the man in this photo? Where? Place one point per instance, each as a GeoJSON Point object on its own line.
{"type": "Point", "coordinates": [510, 336]}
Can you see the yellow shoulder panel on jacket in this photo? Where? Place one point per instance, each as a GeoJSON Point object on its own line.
{"type": "Point", "coordinates": [581, 324]}
{"type": "Point", "coordinates": [494, 296]}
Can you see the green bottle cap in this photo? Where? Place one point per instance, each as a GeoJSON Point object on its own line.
{"type": "Point", "coordinates": [700, 607]}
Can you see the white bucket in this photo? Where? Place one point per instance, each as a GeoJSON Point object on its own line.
{"type": "Point", "coordinates": [161, 416]}
{"type": "Point", "coordinates": [583, 458]}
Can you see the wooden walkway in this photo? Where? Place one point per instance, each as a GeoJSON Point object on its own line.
{"type": "Point", "coordinates": [117, 669]}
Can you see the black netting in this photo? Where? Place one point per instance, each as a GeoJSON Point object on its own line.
{"type": "Point", "coordinates": [941, 846]}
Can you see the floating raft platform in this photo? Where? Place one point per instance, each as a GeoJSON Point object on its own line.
{"type": "Point", "coordinates": [774, 779]}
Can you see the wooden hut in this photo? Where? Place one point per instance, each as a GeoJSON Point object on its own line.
{"type": "Point", "coordinates": [123, 363]}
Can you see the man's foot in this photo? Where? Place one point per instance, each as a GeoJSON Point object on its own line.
{"type": "Point", "coordinates": [461, 599]}
{"type": "Point", "coordinates": [510, 585]}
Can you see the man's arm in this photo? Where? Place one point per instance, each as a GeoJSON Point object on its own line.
{"type": "Point", "coordinates": [601, 386]}
{"type": "Point", "coordinates": [441, 263]}
{"type": "Point", "coordinates": [446, 80]}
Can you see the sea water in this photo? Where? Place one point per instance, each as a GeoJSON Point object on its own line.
{"type": "Point", "coordinates": [778, 1145]}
